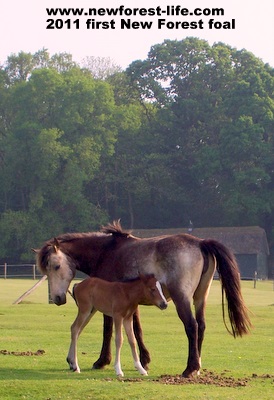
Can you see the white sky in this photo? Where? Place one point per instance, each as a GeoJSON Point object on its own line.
{"type": "Point", "coordinates": [23, 28]}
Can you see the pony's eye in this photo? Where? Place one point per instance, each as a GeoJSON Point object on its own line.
{"type": "Point", "coordinates": [56, 267]}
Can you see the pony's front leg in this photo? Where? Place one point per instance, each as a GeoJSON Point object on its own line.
{"type": "Point", "coordinates": [144, 353]}
{"type": "Point", "coordinates": [128, 324]}
{"type": "Point", "coordinates": [78, 325]}
{"type": "Point", "coordinates": [118, 344]}
{"type": "Point", "coordinates": [105, 355]}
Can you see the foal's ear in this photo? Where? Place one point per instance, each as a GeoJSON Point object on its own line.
{"type": "Point", "coordinates": [145, 277]}
{"type": "Point", "coordinates": [35, 250]}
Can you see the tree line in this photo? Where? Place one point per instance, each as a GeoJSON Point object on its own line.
{"type": "Point", "coordinates": [186, 134]}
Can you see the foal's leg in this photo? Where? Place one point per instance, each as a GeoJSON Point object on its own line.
{"type": "Point", "coordinates": [128, 324]}
{"type": "Point", "coordinates": [78, 325]}
{"type": "Point", "coordinates": [144, 353]}
{"type": "Point", "coordinates": [118, 343]}
{"type": "Point", "coordinates": [105, 355]}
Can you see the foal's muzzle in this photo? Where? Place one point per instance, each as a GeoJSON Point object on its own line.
{"type": "Point", "coordinates": [163, 305]}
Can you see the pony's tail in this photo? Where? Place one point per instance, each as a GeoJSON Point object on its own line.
{"type": "Point", "coordinates": [229, 274]}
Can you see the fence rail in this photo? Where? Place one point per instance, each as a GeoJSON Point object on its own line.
{"type": "Point", "coordinates": [19, 271]}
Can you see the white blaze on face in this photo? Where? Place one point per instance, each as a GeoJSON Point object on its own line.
{"type": "Point", "coordinates": [159, 287]}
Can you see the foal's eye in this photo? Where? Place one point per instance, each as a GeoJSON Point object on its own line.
{"type": "Point", "coordinates": [56, 267]}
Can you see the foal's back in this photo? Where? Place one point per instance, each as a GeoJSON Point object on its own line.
{"type": "Point", "coordinates": [106, 297]}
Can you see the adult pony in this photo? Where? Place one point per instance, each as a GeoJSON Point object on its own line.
{"type": "Point", "coordinates": [118, 300]}
{"type": "Point", "coordinates": [183, 264]}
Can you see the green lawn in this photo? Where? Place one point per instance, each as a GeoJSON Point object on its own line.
{"type": "Point", "coordinates": [34, 324]}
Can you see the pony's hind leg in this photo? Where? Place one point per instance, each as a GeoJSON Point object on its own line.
{"type": "Point", "coordinates": [128, 324]}
{"type": "Point", "coordinates": [200, 298]}
{"type": "Point", "coordinates": [200, 318]}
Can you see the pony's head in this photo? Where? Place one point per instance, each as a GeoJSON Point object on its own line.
{"type": "Point", "coordinates": [58, 267]}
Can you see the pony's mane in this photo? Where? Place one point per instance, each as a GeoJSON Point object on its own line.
{"type": "Point", "coordinates": [69, 237]}
{"type": "Point", "coordinates": [115, 229]}
{"type": "Point", "coordinates": [45, 251]}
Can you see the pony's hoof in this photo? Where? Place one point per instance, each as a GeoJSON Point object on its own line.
{"type": "Point", "coordinates": [188, 374]}
{"type": "Point", "coordinates": [100, 364]}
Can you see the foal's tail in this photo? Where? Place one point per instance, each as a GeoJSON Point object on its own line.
{"type": "Point", "coordinates": [230, 281]}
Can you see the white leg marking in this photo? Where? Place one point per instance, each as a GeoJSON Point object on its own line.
{"type": "Point", "coordinates": [128, 324]}
{"type": "Point", "coordinates": [118, 343]}
{"type": "Point", "coordinates": [200, 362]}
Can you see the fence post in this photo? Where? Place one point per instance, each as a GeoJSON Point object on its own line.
{"type": "Point", "coordinates": [5, 270]}
{"type": "Point", "coordinates": [49, 296]}
{"type": "Point", "coordinates": [34, 271]}
{"type": "Point", "coordinates": [255, 279]}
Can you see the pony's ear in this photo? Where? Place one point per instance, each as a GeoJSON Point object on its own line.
{"type": "Point", "coordinates": [55, 244]}
{"type": "Point", "coordinates": [35, 251]}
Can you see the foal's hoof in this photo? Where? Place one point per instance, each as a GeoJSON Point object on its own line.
{"type": "Point", "coordinates": [72, 367]}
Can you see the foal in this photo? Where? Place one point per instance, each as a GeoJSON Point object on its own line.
{"type": "Point", "coordinates": [118, 300]}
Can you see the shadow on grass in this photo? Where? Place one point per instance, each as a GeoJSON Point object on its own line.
{"type": "Point", "coordinates": [49, 374]}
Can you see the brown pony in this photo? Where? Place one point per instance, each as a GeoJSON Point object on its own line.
{"type": "Point", "coordinates": [119, 301]}
{"type": "Point", "coordinates": [183, 264]}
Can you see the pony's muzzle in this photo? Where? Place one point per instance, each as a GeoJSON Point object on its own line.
{"type": "Point", "coordinates": [59, 300]}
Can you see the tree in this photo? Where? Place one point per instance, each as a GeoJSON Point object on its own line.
{"type": "Point", "coordinates": [100, 67]}
{"type": "Point", "coordinates": [19, 67]}
{"type": "Point", "coordinates": [60, 124]}
{"type": "Point", "coordinates": [216, 109]}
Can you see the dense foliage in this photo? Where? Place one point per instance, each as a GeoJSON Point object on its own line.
{"type": "Point", "coordinates": [186, 134]}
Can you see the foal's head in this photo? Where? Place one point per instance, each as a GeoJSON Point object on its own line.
{"type": "Point", "coordinates": [53, 262]}
{"type": "Point", "coordinates": [153, 294]}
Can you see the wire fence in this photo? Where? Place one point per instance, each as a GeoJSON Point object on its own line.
{"type": "Point", "coordinates": [8, 271]}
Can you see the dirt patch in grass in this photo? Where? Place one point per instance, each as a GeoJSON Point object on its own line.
{"type": "Point", "coordinates": [205, 378]}
{"type": "Point", "coordinates": [22, 353]}
{"type": "Point", "coordinates": [211, 378]}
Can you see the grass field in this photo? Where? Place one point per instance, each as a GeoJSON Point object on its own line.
{"type": "Point", "coordinates": [35, 325]}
